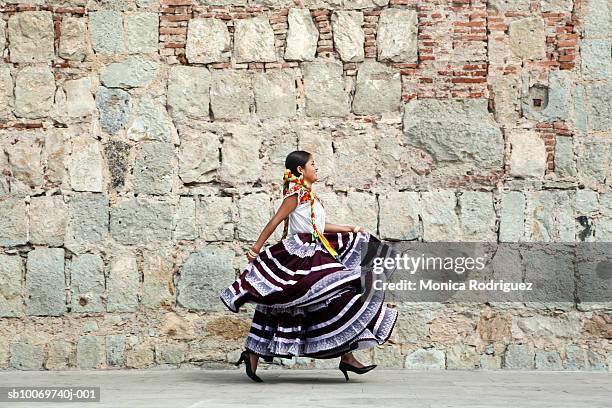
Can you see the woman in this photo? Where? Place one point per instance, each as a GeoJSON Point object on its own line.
{"type": "Point", "coordinates": [307, 287]}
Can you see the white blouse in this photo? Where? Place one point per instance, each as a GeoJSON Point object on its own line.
{"type": "Point", "coordinates": [299, 219]}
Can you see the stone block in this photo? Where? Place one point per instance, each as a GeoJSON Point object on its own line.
{"type": "Point", "coordinates": [347, 149]}
{"type": "Point", "coordinates": [14, 222]}
{"type": "Point", "coordinates": [527, 38]}
{"type": "Point", "coordinates": [138, 221]}
{"type": "Point", "coordinates": [378, 89]}
{"type": "Point", "coordinates": [87, 222]}
{"type": "Point", "coordinates": [170, 353]}
{"type": "Point", "coordinates": [579, 358]}
{"type": "Point", "coordinates": [34, 92]}
{"type": "Point", "coordinates": [142, 32]}
{"type": "Point", "coordinates": [527, 154]}
{"type": "Point", "coordinates": [565, 164]}
{"type": "Point", "coordinates": [158, 284]}
{"type": "Point", "coordinates": [77, 100]}
{"type": "Point", "coordinates": [396, 36]}
{"type": "Point", "coordinates": [25, 158]}
{"type": "Point", "coordinates": [198, 157]}
{"type": "Point", "coordinates": [595, 59]}
{"type": "Point", "coordinates": [60, 355]}
{"type": "Point", "coordinates": [302, 36]}
{"type": "Point", "coordinates": [348, 35]}
{"type": "Point", "coordinates": [477, 216]}
{"type": "Point", "coordinates": [216, 218]}
{"type": "Point", "coordinates": [462, 357]}
{"type": "Point", "coordinates": [106, 31]}
{"type": "Point", "coordinates": [426, 359]}
{"type": "Point", "coordinates": [123, 284]}
{"type": "Point", "coordinates": [115, 349]}
{"type": "Point", "coordinates": [87, 283]}
{"type": "Point", "coordinates": [254, 40]}
{"type": "Point", "coordinates": [26, 356]}
{"type": "Point", "coordinates": [597, 19]}
{"type": "Point", "coordinates": [45, 282]}
{"type": "Point", "coordinates": [599, 106]}
{"type": "Point", "coordinates": [6, 93]}
{"type": "Point", "coordinates": [31, 36]}
{"type": "Point", "coordinates": [324, 90]}
{"type": "Point", "coordinates": [551, 102]}
{"type": "Point", "coordinates": [139, 355]}
{"type": "Point", "coordinates": [399, 215]}
{"type": "Point", "coordinates": [548, 360]}
{"type": "Point", "coordinates": [231, 96]}
{"type": "Point", "coordinates": [275, 93]}
{"type": "Point", "coordinates": [203, 275]}
{"type": "Point", "coordinates": [442, 127]}
{"type": "Point", "coordinates": [86, 165]}
{"type": "Point", "coordinates": [48, 218]}
{"type": "Point", "coordinates": [512, 218]}
{"type": "Point", "coordinates": [240, 163]}
{"type": "Point", "coordinates": [189, 92]}
{"type": "Point", "coordinates": [440, 221]}
{"type": "Point", "coordinates": [184, 220]}
{"type": "Point", "coordinates": [519, 357]}
{"type": "Point", "coordinates": [153, 168]}
{"type": "Point", "coordinates": [152, 122]}
{"type": "Point", "coordinates": [586, 201]}
{"type": "Point", "coordinates": [115, 107]}
{"type": "Point", "coordinates": [255, 212]}
{"type": "Point", "coordinates": [593, 159]}
{"type": "Point", "coordinates": [11, 286]}
{"type": "Point", "coordinates": [132, 72]}
{"type": "Point", "coordinates": [73, 44]}
{"type": "Point", "coordinates": [549, 217]}
{"type": "Point", "coordinates": [90, 353]}
{"type": "Point", "coordinates": [208, 41]}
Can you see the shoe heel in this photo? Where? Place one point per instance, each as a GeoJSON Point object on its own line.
{"type": "Point", "coordinates": [345, 374]}
{"type": "Point", "coordinates": [237, 363]}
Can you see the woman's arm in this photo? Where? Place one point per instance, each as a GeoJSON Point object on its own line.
{"type": "Point", "coordinates": [337, 228]}
{"type": "Point", "coordinates": [289, 204]}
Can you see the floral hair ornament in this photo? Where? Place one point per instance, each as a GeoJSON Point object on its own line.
{"type": "Point", "coordinates": [309, 195]}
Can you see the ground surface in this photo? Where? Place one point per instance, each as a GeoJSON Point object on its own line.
{"type": "Point", "coordinates": [200, 388]}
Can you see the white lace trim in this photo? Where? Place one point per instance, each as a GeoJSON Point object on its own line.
{"type": "Point", "coordinates": [294, 246]}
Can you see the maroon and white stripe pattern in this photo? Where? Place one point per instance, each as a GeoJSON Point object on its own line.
{"type": "Point", "coordinates": [308, 303]}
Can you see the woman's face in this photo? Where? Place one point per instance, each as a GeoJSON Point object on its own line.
{"type": "Point", "coordinates": [309, 170]}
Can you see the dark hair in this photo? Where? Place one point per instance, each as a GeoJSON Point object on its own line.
{"type": "Point", "coordinates": [296, 158]}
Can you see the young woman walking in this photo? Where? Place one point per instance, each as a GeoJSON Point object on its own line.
{"type": "Point", "coordinates": [307, 287]}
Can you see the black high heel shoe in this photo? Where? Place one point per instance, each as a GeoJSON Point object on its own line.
{"type": "Point", "coordinates": [244, 356]}
{"type": "Point", "coordinates": [344, 367]}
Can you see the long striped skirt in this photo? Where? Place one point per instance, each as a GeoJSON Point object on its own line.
{"type": "Point", "coordinates": [309, 303]}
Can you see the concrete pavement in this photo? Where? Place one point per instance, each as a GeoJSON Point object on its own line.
{"type": "Point", "coordinates": [200, 388]}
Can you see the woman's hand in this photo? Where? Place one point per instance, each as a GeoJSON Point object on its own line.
{"type": "Point", "coordinates": [249, 255]}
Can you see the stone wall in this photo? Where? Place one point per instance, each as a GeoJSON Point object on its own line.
{"type": "Point", "coordinates": [142, 146]}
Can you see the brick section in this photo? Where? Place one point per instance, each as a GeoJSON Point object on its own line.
{"type": "Point", "coordinates": [550, 132]}
{"type": "Point", "coordinates": [173, 19]}
{"type": "Point", "coordinates": [370, 22]}
{"type": "Point", "coordinates": [325, 46]}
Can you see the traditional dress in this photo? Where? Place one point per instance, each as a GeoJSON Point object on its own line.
{"type": "Point", "coordinates": [308, 302]}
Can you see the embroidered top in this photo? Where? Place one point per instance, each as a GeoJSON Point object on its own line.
{"type": "Point", "coordinates": [309, 196]}
{"type": "Point", "coordinates": [299, 219]}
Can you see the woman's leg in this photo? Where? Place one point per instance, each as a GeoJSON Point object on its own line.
{"type": "Point", "coordinates": [254, 360]}
{"type": "Point", "coordinates": [350, 359]}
